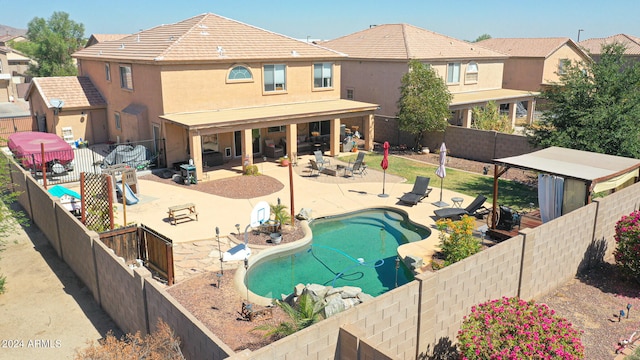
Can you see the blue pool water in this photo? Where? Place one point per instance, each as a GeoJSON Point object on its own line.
{"type": "Point", "coordinates": [356, 249]}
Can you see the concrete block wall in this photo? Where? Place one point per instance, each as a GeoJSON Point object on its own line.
{"type": "Point", "coordinates": [43, 214]}
{"type": "Point", "coordinates": [448, 294]}
{"type": "Point", "coordinates": [19, 180]}
{"type": "Point", "coordinates": [610, 210]}
{"type": "Point", "coordinates": [511, 145]}
{"type": "Point", "coordinates": [121, 290]}
{"type": "Point", "coordinates": [76, 246]}
{"type": "Point", "coordinates": [198, 342]}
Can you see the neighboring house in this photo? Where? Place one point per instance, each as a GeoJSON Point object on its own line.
{"type": "Point", "coordinates": [212, 84]}
{"type": "Point", "coordinates": [98, 38]}
{"type": "Point", "coordinates": [69, 106]}
{"type": "Point", "coordinates": [594, 46]}
{"type": "Point", "coordinates": [4, 39]}
{"type": "Point", "coordinates": [535, 63]}
{"type": "Point", "coordinates": [378, 57]}
{"type": "Point", "coordinates": [13, 69]}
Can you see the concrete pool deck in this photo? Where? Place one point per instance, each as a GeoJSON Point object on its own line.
{"type": "Point", "coordinates": [324, 195]}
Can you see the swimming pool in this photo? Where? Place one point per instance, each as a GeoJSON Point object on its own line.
{"type": "Point", "coordinates": [354, 249]}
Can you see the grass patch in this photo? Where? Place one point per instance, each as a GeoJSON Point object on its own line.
{"type": "Point", "coordinates": [512, 194]}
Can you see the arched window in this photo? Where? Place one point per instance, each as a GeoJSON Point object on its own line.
{"type": "Point", "coordinates": [240, 73]}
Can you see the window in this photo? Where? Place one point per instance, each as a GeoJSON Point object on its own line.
{"type": "Point", "coordinates": [117, 118]}
{"type": "Point", "coordinates": [275, 78]}
{"type": "Point", "coordinates": [453, 73]}
{"type": "Point", "coordinates": [107, 71]}
{"type": "Point", "coordinates": [322, 75]}
{"type": "Point", "coordinates": [562, 66]}
{"type": "Point", "coordinates": [240, 73]}
{"type": "Point", "coordinates": [273, 129]}
{"type": "Point", "coordinates": [126, 80]}
{"type": "Point", "coordinates": [471, 76]}
{"type": "Point", "coordinates": [321, 127]}
{"type": "Point", "coordinates": [350, 94]}
{"type": "Point", "coordinates": [0, 66]}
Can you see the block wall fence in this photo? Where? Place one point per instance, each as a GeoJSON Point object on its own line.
{"type": "Point", "coordinates": [404, 323]}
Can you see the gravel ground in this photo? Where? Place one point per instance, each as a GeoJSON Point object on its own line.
{"type": "Point", "coordinates": [591, 301]}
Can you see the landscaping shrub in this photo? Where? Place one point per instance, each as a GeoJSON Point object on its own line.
{"type": "Point", "coordinates": [627, 252]}
{"type": "Point", "coordinates": [456, 239]}
{"type": "Point", "coordinates": [511, 328]}
{"type": "Point", "coordinates": [252, 170]}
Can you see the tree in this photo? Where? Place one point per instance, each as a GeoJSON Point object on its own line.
{"type": "Point", "coordinates": [482, 37]}
{"type": "Point", "coordinates": [489, 118]}
{"type": "Point", "coordinates": [424, 101]}
{"type": "Point", "coordinates": [594, 99]}
{"type": "Point", "coordinates": [55, 40]}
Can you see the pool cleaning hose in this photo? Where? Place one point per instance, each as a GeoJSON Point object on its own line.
{"type": "Point", "coordinates": [341, 274]}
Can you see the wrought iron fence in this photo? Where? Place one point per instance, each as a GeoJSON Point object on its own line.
{"type": "Point", "coordinates": [66, 166]}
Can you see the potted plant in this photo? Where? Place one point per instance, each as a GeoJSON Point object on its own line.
{"type": "Point", "coordinates": [279, 217]}
{"type": "Point", "coordinates": [284, 161]}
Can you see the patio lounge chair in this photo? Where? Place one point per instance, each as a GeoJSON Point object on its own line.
{"type": "Point", "coordinates": [320, 159]}
{"type": "Point", "coordinates": [357, 167]}
{"type": "Point", "coordinates": [420, 191]}
{"type": "Point", "coordinates": [315, 167]}
{"type": "Point", "coordinates": [475, 208]}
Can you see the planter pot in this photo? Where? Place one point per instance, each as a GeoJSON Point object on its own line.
{"type": "Point", "coordinates": [425, 150]}
{"type": "Point", "coordinates": [276, 238]}
{"type": "Point", "coordinates": [284, 163]}
{"type": "Point", "coordinates": [272, 226]}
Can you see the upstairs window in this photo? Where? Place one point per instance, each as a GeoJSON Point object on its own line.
{"type": "Point", "coordinates": [275, 77]}
{"type": "Point", "coordinates": [240, 73]}
{"type": "Point", "coordinates": [453, 73]}
{"type": "Point", "coordinates": [350, 94]}
{"type": "Point", "coordinates": [116, 117]}
{"type": "Point", "coordinates": [323, 75]}
{"type": "Point", "coordinates": [107, 71]}
{"type": "Point", "coordinates": [126, 78]}
{"type": "Point", "coordinates": [471, 76]}
{"type": "Point", "coordinates": [563, 64]}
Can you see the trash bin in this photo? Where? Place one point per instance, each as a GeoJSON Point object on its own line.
{"type": "Point", "coordinates": [188, 173]}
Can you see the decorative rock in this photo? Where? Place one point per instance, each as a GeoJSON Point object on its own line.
{"type": "Point", "coordinates": [364, 297]}
{"type": "Point", "coordinates": [334, 305]}
{"type": "Point", "coordinates": [335, 299]}
{"type": "Point", "coordinates": [413, 262]}
{"type": "Point", "coordinates": [350, 292]}
{"type": "Point", "coordinates": [297, 291]}
{"type": "Point", "coordinates": [304, 214]}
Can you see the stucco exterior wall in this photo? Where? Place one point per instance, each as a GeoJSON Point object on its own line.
{"type": "Point", "coordinates": [523, 73]}
{"type": "Point", "coordinates": [552, 62]}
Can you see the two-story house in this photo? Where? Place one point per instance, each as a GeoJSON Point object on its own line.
{"type": "Point", "coordinates": [535, 63]}
{"type": "Point", "coordinates": [631, 43]}
{"type": "Point", "coordinates": [210, 83]}
{"type": "Point", "coordinates": [378, 57]}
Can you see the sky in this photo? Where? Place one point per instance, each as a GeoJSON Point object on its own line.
{"type": "Point", "coordinates": [329, 19]}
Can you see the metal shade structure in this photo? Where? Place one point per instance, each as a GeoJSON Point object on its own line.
{"type": "Point", "coordinates": [441, 172]}
{"type": "Point", "coordinates": [384, 164]}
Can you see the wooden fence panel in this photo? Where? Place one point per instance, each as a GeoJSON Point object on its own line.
{"type": "Point", "coordinates": [159, 251]}
{"type": "Point", "coordinates": [124, 242]}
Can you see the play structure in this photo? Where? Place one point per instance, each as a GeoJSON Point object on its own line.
{"type": "Point", "coordinates": [126, 188]}
{"type": "Point", "coordinates": [70, 199]}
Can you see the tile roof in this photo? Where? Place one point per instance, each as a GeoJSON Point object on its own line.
{"type": "Point", "coordinates": [403, 42]}
{"type": "Point", "coordinates": [108, 37]}
{"type": "Point", "coordinates": [206, 37]}
{"type": "Point", "coordinates": [594, 45]}
{"type": "Point", "coordinates": [527, 47]}
{"type": "Point", "coordinates": [75, 91]}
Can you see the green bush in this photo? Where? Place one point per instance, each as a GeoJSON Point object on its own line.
{"type": "Point", "coordinates": [627, 252]}
{"type": "Point", "coordinates": [252, 170]}
{"type": "Point", "coordinates": [456, 239]}
{"type": "Point", "coordinates": [511, 328]}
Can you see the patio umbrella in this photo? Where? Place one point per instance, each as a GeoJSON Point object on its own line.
{"type": "Point", "coordinates": [441, 172]}
{"type": "Point", "coordinates": [384, 164]}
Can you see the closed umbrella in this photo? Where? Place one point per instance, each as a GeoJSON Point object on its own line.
{"type": "Point", "coordinates": [441, 172]}
{"type": "Point", "coordinates": [384, 164]}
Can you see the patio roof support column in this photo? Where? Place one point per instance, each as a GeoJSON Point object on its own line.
{"type": "Point", "coordinates": [195, 148]}
{"type": "Point", "coordinates": [512, 113]}
{"type": "Point", "coordinates": [531, 108]}
{"type": "Point", "coordinates": [292, 142]}
{"type": "Point", "coordinates": [334, 137]}
{"type": "Point", "coordinates": [466, 117]}
{"type": "Point", "coordinates": [368, 131]}
{"type": "Point", "coordinates": [247, 149]}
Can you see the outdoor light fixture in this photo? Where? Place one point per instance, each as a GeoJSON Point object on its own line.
{"type": "Point", "coordinates": [219, 252]}
{"type": "Point", "coordinates": [397, 267]}
{"type": "Point", "coordinates": [628, 310]}
{"type": "Point", "coordinates": [485, 170]}
{"type": "Point", "coordinates": [238, 229]}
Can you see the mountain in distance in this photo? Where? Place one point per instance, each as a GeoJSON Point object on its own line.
{"type": "Point", "coordinates": [8, 30]}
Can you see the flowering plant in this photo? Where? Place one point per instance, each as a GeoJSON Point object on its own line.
{"type": "Point", "coordinates": [627, 253]}
{"type": "Point", "coordinates": [511, 328]}
{"type": "Point", "coordinates": [456, 239]}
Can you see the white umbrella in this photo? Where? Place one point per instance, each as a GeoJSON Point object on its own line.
{"type": "Point", "coordinates": [441, 171]}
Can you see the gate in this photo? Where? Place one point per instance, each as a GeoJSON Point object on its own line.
{"type": "Point", "coordinates": [124, 242]}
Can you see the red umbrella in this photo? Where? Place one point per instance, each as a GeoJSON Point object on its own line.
{"type": "Point", "coordinates": [384, 164]}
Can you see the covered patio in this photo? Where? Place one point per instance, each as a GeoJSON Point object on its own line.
{"type": "Point", "coordinates": [246, 120]}
{"type": "Point", "coordinates": [463, 103]}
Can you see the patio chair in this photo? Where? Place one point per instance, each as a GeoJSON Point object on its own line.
{"type": "Point", "coordinates": [271, 150]}
{"type": "Point", "coordinates": [315, 167]}
{"type": "Point", "coordinates": [357, 167]}
{"type": "Point", "coordinates": [476, 208]}
{"type": "Point", "coordinates": [320, 159]}
{"type": "Point", "coordinates": [420, 191]}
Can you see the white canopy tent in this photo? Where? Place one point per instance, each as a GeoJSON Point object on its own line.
{"type": "Point", "coordinates": [582, 172]}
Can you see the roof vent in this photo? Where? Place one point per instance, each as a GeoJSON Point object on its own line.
{"type": "Point", "coordinates": [100, 52]}
{"type": "Point", "coordinates": [122, 46]}
{"type": "Point", "coordinates": [204, 33]}
{"type": "Point", "coordinates": [138, 38]}
{"type": "Point", "coordinates": [171, 38]}
{"type": "Point", "coordinates": [220, 51]}
{"type": "Point", "coordinates": [294, 53]}
{"type": "Point", "coordinates": [203, 26]}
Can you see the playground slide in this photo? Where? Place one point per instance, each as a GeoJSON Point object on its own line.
{"type": "Point", "coordinates": [132, 199]}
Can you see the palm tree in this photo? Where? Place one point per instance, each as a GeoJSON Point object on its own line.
{"type": "Point", "coordinates": [306, 313]}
